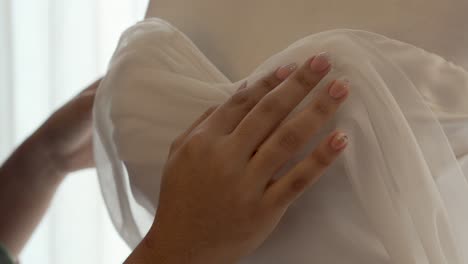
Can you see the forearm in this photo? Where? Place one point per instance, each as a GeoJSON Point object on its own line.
{"type": "Point", "coordinates": [29, 180]}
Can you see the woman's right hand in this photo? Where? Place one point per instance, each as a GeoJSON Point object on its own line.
{"type": "Point", "coordinates": [218, 201]}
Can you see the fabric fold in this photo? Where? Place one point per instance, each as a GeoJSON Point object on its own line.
{"type": "Point", "coordinates": [399, 181]}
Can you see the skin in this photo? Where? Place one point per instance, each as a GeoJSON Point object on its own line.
{"type": "Point", "coordinates": [218, 201]}
{"type": "Point", "coordinates": [31, 175]}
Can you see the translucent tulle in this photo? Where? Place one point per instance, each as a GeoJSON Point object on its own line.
{"type": "Point", "coordinates": [398, 193]}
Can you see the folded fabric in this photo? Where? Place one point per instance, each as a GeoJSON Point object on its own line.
{"type": "Point", "coordinates": [397, 194]}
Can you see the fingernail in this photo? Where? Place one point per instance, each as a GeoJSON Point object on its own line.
{"type": "Point", "coordinates": [284, 71]}
{"type": "Point", "coordinates": [339, 141]}
{"type": "Point", "coordinates": [320, 62]}
{"type": "Point", "coordinates": [339, 89]}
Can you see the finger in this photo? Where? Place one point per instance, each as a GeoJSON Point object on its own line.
{"type": "Point", "coordinates": [293, 135]}
{"type": "Point", "coordinates": [276, 105]}
{"type": "Point", "coordinates": [228, 116]}
{"type": "Point", "coordinates": [181, 138]}
{"type": "Point", "coordinates": [289, 187]}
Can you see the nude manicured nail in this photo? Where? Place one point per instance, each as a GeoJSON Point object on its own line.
{"type": "Point", "coordinates": [284, 71]}
{"type": "Point", "coordinates": [339, 141]}
{"type": "Point", "coordinates": [339, 89]}
{"type": "Point", "coordinates": [320, 62]}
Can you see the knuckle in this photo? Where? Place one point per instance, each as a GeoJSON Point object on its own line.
{"type": "Point", "coordinates": [321, 108]}
{"type": "Point", "coordinates": [239, 98]}
{"type": "Point", "coordinates": [269, 83]}
{"type": "Point", "coordinates": [303, 80]}
{"type": "Point", "coordinates": [321, 159]}
{"type": "Point", "coordinates": [272, 105]}
{"type": "Point", "coordinates": [299, 183]}
{"type": "Point", "coordinates": [271, 203]}
{"type": "Point", "coordinates": [197, 142]}
{"type": "Point", "coordinates": [242, 98]}
{"type": "Point", "coordinates": [197, 138]}
{"type": "Point", "coordinates": [289, 141]}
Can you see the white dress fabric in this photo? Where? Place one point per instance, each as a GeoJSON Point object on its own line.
{"type": "Point", "coordinates": [238, 35]}
{"type": "Point", "coordinates": [397, 194]}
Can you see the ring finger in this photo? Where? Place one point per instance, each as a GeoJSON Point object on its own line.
{"type": "Point", "coordinates": [291, 136]}
{"type": "Point", "coordinates": [226, 118]}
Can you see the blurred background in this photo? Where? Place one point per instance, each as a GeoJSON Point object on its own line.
{"type": "Point", "coordinates": [49, 51]}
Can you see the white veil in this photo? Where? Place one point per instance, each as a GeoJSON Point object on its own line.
{"type": "Point", "coordinates": [400, 161]}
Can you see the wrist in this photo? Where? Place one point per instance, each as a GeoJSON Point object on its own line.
{"type": "Point", "coordinates": [163, 247]}
{"type": "Point", "coordinates": [40, 150]}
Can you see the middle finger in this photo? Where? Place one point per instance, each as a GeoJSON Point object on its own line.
{"type": "Point", "coordinates": [259, 123]}
{"type": "Point", "coordinates": [291, 136]}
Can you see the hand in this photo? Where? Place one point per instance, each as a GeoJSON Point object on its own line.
{"type": "Point", "coordinates": [31, 175]}
{"type": "Point", "coordinates": [66, 135]}
{"type": "Point", "coordinates": [218, 201]}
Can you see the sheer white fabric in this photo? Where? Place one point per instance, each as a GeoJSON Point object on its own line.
{"type": "Point", "coordinates": [397, 194]}
{"type": "Point", "coordinates": [237, 36]}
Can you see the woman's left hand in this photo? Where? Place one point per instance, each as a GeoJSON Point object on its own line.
{"type": "Point", "coordinates": [31, 175]}
{"type": "Point", "coordinates": [67, 134]}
